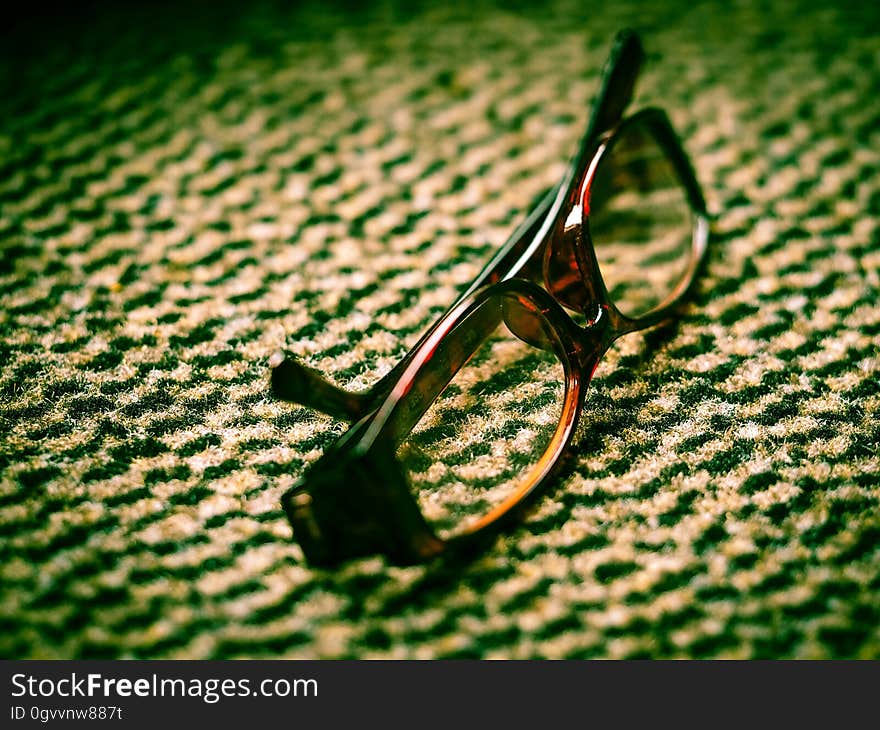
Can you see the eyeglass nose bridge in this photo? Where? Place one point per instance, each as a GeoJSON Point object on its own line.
{"type": "Point", "coordinates": [355, 505]}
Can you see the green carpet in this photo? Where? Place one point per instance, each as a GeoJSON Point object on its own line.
{"type": "Point", "coordinates": [183, 193]}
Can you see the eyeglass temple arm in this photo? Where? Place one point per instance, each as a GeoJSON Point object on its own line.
{"type": "Point", "coordinates": [663, 131]}
{"type": "Point", "coordinates": [451, 354]}
{"type": "Point", "coordinates": [618, 83]}
{"type": "Point", "coordinates": [295, 382]}
{"type": "Point", "coordinates": [615, 92]}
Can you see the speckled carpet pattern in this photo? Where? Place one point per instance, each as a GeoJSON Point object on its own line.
{"type": "Point", "coordinates": [183, 193]}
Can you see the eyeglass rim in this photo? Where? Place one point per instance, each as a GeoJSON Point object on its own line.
{"type": "Point", "coordinates": [660, 127]}
{"type": "Point", "coordinates": [371, 435]}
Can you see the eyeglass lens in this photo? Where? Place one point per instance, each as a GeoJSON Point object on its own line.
{"type": "Point", "coordinates": [489, 427]}
{"type": "Point", "coordinates": [640, 222]}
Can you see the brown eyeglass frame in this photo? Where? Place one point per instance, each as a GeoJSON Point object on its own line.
{"type": "Point", "coordinates": [355, 500]}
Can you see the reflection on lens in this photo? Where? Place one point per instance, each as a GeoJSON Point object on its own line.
{"type": "Point", "coordinates": [640, 222]}
{"type": "Point", "coordinates": [485, 432]}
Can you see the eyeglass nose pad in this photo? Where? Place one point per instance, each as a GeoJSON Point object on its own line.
{"type": "Point", "coordinates": [527, 323]}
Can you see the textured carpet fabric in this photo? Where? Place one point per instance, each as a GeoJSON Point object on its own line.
{"type": "Point", "coordinates": [183, 193]}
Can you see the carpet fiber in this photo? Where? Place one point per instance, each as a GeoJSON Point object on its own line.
{"type": "Point", "coordinates": [185, 192]}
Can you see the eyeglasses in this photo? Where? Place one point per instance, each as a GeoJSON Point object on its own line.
{"type": "Point", "coordinates": [446, 449]}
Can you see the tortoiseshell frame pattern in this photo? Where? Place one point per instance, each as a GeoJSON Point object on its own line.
{"type": "Point", "coordinates": [354, 500]}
